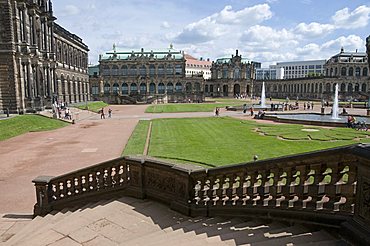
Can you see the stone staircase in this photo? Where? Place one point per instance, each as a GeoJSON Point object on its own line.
{"type": "Point", "coordinates": [129, 221]}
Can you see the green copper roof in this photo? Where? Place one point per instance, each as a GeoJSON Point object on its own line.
{"type": "Point", "coordinates": [156, 54]}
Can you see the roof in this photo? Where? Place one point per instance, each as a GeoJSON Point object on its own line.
{"type": "Point", "coordinates": [157, 54]}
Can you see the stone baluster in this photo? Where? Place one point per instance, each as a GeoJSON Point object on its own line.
{"type": "Point", "coordinates": [314, 192]}
{"type": "Point", "coordinates": [257, 188]}
{"type": "Point", "coordinates": [216, 191]}
{"type": "Point", "coordinates": [247, 190]}
{"type": "Point", "coordinates": [330, 188]}
{"type": "Point", "coordinates": [226, 189]}
{"type": "Point", "coordinates": [281, 188]}
{"type": "Point", "coordinates": [83, 183]}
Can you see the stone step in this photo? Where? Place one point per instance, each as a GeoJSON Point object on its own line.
{"type": "Point", "coordinates": [336, 242]}
{"type": "Point", "coordinates": [312, 237]}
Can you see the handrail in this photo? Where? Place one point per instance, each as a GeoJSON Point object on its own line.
{"type": "Point", "coordinates": [328, 187]}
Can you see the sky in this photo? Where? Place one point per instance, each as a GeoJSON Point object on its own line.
{"type": "Point", "coordinates": [267, 31]}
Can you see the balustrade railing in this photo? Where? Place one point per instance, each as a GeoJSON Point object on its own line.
{"type": "Point", "coordinates": [327, 187]}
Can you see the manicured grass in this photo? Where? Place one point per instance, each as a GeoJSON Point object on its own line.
{"type": "Point", "coordinates": [27, 123]}
{"type": "Point", "coordinates": [136, 143]}
{"type": "Point", "coordinates": [93, 106]}
{"type": "Point", "coordinates": [188, 107]}
{"type": "Point", "coordinates": [223, 141]}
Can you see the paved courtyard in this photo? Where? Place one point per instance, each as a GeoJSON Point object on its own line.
{"type": "Point", "coordinates": [89, 141]}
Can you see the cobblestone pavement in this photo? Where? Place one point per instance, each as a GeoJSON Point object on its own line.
{"type": "Point", "coordinates": [91, 140]}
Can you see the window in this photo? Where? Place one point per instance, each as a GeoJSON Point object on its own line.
{"type": "Point", "coordinates": [178, 69]}
{"type": "Point", "coordinates": [178, 87]}
{"type": "Point", "coordinates": [106, 88]}
{"type": "Point", "coordinates": [124, 89]}
{"type": "Point", "coordinates": [95, 90]}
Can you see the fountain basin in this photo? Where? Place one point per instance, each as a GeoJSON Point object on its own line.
{"type": "Point", "coordinates": [314, 119]}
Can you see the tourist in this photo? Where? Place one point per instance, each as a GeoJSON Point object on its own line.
{"type": "Point", "coordinates": [244, 108]}
{"type": "Point", "coordinates": [109, 113]}
{"type": "Point", "coordinates": [304, 106]}
{"type": "Point", "coordinates": [102, 115]}
{"type": "Point", "coordinates": [217, 112]}
{"type": "Point", "coordinates": [272, 107]}
{"type": "Point", "coordinates": [311, 105]}
{"type": "Point", "coordinates": [344, 111]}
{"type": "Point", "coordinates": [251, 111]}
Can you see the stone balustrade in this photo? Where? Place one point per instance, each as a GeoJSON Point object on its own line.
{"type": "Point", "coordinates": [329, 187]}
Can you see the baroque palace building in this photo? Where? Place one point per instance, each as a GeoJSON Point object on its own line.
{"type": "Point", "coordinates": [144, 76]}
{"type": "Point", "coordinates": [348, 69]}
{"type": "Point", "coordinates": [231, 76]}
{"type": "Point", "coordinates": [40, 61]}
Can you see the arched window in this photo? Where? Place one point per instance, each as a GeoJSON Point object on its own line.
{"type": "Point", "coordinates": [357, 87]}
{"type": "Point", "coordinates": [161, 88]}
{"type": "Point", "coordinates": [224, 73]}
{"type": "Point", "coordinates": [124, 70]}
{"type": "Point", "coordinates": [206, 88]}
{"type": "Point", "coordinates": [343, 71]}
{"type": "Point", "coordinates": [236, 73]}
{"type": "Point", "coordinates": [178, 69]}
{"type": "Point", "coordinates": [143, 71]}
{"type": "Point", "coordinates": [161, 70]}
{"type": "Point", "coordinates": [133, 70]}
{"type": "Point", "coordinates": [133, 88]}
{"type": "Point", "coordinates": [124, 89]}
{"type": "Point", "coordinates": [169, 87]}
{"type": "Point", "coordinates": [114, 70]}
{"type": "Point", "coordinates": [343, 87]}
{"type": "Point", "coordinates": [364, 71]}
{"type": "Point", "coordinates": [142, 88]}
{"type": "Point", "coordinates": [115, 88]}
{"type": "Point", "coordinates": [350, 71]}
{"type": "Point", "coordinates": [152, 88]}
{"type": "Point", "coordinates": [169, 70]}
{"type": "Point", "coordinates": [106, 88]}
{"type": "Point", "coordinates": [350, 87]}
{"type": "Point", "coordinates": [105, 70]}
{"type": "Point", "coordinates": [320, 88]}
{"type": "Point", "coordinates": [358, 72]}
{"type": "Point", "coordinates": [95, 90]}
{"type": "Point", "coordinates": [336, 71]}
{"type": "Point", "coordinates": [188, 87]}
{"type": "Point", "coordinates": [151, 70]}
{"type": "Point", "coordinates": [178, 87]}
{"type": "Point", "coordinates": [363, 87]}
{"type": "Point", "coordinates": [197, 86]}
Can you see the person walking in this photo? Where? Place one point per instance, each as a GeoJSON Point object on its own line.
{"type": "Point", "coordinates": [102, 115]}
{"type": "Point", "coordinates": [109, 113]}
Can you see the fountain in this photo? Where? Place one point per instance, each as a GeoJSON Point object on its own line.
{"type": "Point", "coordinates": [263, 96]}
{"type": "Point", "coordinates": [335, 109]}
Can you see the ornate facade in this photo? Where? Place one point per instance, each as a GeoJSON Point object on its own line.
{"type": "Point", "coordinates": [133, 76]}
{"type": "Point", "coordinates": [348, 69]}
{"type": "Point", "coordinates": [231, 76]}
{"type": "Point", "coordinates": [40, 62]}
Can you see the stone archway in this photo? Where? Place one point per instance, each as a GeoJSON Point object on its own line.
{"type": "Point", "coordinates": [236, 89]}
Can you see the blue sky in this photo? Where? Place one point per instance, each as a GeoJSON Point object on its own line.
{"type": "Point", "coordinates": [267, 31]}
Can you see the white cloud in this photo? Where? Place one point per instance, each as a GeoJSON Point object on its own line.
{"type": "Point", "coordinates": [222, 23]}
{"type": "Point", "coordinates": [165, 25]}
{"type": "Point", "coordinates": [265, 37]}
{"type": "Point", "coordinates": [351, 42]}
{"type": "Point", "coordinates": [70, 10]}
{"type": "Point", "coordinates": [307, 2]}
{"type": "Point", "coordinates": [355, 19]}
{"type": "Point", "coordinates": [314, 29]}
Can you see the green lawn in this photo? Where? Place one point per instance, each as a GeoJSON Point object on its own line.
{"type": "Point", "coordinates": [136, 143]}
{"type": "Point", "coordinates": [188, 107]}
{"type": "Point", "coordinates": [27, 123]}
{"type": "Point", "coordinates": [93, 106]}
{"type": "Point", "coordinates": [223, 141]}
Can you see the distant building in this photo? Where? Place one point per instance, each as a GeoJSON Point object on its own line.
{"type": "Point", "coordinates": [231, 76]}
{"type": "Point", "coordinates": [269, 73]}
{"type": "Point", "coordinates": [195, 67]}
{"type": "Point", "coordinates": [302, 69]}
{"type": "Point", "coordinates": [40, 61]}
{"type": "Point", "coordinates": [130, 76]}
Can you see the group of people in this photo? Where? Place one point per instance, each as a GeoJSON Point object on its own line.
{"type": "Point", "coordinates": [102, 114]}
{"type": "Point", "coordinates": [308, 105]}
{"type": "Point", "coordinates": [358, 125]}
{"type": "Point", "coordinates": [59, 108]}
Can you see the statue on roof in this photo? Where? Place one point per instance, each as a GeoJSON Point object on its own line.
{"type": "Point", "coordinates": [368, 49]}
{"type": "Point", "coordinates": [114, 47]}
{"type": "Point", "coordinates": [171, 46]}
